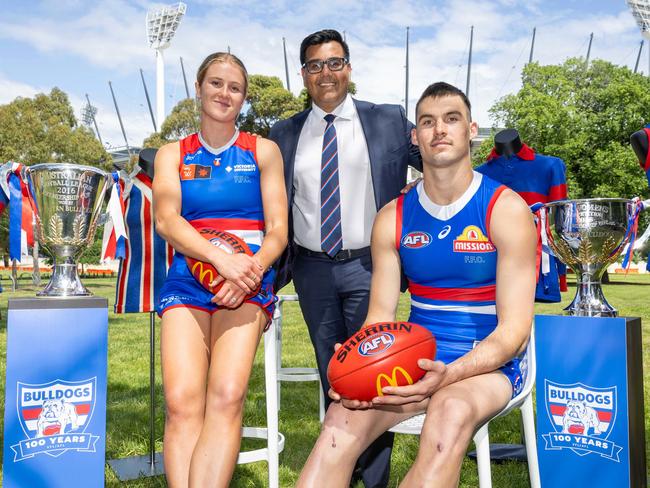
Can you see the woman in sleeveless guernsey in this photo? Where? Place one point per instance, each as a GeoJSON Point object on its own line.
{"type": "Point", "coordinates": [232, 181]}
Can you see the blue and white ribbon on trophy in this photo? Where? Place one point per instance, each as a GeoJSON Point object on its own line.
{"type": "Point", "coordinates": [21, 230]}
{"type": "Point", "coordinates": [114, 238]}
{"type": "Point", "coordinates": [632, 228]}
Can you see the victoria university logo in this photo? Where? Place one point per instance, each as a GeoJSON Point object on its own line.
{"type": "Point", "coordinates": [54, 417]}
{"type": "Point", "coordinates": [583, 418]}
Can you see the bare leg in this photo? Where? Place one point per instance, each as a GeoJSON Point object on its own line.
{"type": "Point", "coordinates": [235, 335]}
{"type": "Point", "coordinates": [184, 348]}
{"type": "Point", "coordinates": [453, 415]}
{"type": "Point", "coordinates": [344, 436]}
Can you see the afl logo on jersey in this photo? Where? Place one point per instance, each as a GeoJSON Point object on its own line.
{"type": "Point", "coordinates": [416, 239]}
{"type": "Point", "coordinates": [472, 239]}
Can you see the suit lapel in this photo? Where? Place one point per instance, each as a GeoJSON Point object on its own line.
{"type": "Point", "coordinates": [292, 135]}
{"type": "Point", "coordinates": [370, 131]}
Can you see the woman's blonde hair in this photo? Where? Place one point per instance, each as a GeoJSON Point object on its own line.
{"type": "Point", "coordinates": [220, 57]}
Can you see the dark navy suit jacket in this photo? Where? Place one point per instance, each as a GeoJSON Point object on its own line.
{"type": "Point", "coordinates": [388, 135]}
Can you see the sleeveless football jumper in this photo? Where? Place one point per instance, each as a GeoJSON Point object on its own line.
{"type": "Point", "coordinates": [220, 188]}
{"type": "Point", "coordinates": [450, 264]}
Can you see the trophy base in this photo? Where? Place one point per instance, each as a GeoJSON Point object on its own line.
{"type": "Point", "coordinates": [590, 302]}
{"type": "Point", "coordinates": [65, 282]}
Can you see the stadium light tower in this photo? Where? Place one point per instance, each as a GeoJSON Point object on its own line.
{"type": "Point", "coordinates": [161, 27]}
{"type": "Point", "coordinates": [641, 12]}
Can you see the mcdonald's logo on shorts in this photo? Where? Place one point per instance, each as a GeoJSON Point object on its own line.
{"type": "Point", "coordinates": [392, 379]}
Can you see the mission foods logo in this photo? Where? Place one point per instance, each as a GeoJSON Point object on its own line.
{"type": "Point", "coordinates": [472, 239]}
{"type": "Point", "coordinates": [54, 417]}
{"type": "Point", "coordinates": [583, 417]}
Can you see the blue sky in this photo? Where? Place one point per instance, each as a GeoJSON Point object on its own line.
{"type": "Point", "coordinates": [79, 45]}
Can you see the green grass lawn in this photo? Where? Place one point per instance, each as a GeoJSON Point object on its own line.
{"type": "Point", "coordinates": [128, 390]}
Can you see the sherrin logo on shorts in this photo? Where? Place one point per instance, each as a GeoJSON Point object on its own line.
{"type": "Point", "coordinates": [472, 239]}
{"type": "Point", "coordinates": [416, 239]}
{"type": "Point", "coordinates": [376, 343]}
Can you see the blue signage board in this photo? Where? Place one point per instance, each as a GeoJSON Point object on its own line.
{"type": "Point", "coordinates": [55, 401]}
{"type": "Point", "coordinates": [590, 420]}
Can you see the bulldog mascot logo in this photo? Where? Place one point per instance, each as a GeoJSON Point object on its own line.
{"type": "Point", "coordinates": [580, 418]}
{"type": "Point", "coordinates": [55, 417]}
{"type": "Point", "coordinates": [583, 417]}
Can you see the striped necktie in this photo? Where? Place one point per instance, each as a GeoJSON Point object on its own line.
{"type": "Point", "coordinates": [331, 239]}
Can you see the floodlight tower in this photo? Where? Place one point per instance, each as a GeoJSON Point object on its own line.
{"type": "Point", "coordinates": [641, 12]}
{"type": "Point", "coordinates": [161, 27]}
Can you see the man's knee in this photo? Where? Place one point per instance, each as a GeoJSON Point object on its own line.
{"type": "Point", "coordinates": [451, 416]}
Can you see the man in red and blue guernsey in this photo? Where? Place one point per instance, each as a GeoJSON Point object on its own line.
{"type": "Point", "coordinates": [467, 246]}
{"type": "Point", "coordinates": [537, 178]}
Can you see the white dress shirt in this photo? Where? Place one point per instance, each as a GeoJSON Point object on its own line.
{"type": "Point", "coordinates": [358, 208]}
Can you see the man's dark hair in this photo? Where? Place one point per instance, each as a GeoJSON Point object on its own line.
{"type": "Point", "coordinates": [321, 37]}
{"type": "Point", "coordinates": [442, 89]}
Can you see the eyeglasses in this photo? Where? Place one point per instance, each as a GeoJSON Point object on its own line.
{"type": "Point", "coordinates": [315, 66]}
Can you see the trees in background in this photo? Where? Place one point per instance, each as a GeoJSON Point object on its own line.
{"type": "Point", "coordinates": [267, 101]}
{"type": "Point", "coordinates": [584, 115]}
{"type": "Point", "coordinates": [44, 129]}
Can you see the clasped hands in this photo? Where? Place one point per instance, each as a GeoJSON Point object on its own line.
{"type": "Point", "coordinates": [241, 276]}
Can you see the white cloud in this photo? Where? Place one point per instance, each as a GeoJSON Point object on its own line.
{"type": "Point", "coordinates": [109, 37]}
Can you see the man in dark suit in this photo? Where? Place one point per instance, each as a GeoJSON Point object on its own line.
{"type": "Point", "coordinates": [344, 159]}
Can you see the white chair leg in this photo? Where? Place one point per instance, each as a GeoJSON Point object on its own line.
{"type": "Point", "coordinates": [530, 438]}
{"type": "Point", "coordinates": [271, 380]}
{"type": "Point", "coordinates": [482, 442]}
{"type": "Point", "coordinates": [321, 402]}
{"type": "Point", "coordinates": [277, 335]}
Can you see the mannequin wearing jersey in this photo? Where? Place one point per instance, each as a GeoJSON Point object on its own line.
{"type": "Point", "coordinates": [230, 181]}
{"type": "Point", "coordinates": [639, 143]}
{"type": "Point", "coordinates": [472, 283]}
{"type": "Point", "coordinates": [537, 179]}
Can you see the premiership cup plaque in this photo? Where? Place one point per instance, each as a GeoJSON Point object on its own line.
{"type": "Point", "coordinates": [588, 235]}
{"type": "Point", "coordinates": [67, 200]}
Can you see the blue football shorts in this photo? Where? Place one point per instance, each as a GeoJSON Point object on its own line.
{"type": "Point", "coordinates": [181, 289]}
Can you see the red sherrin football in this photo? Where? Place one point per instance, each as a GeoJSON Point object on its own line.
{"type": "Point", "coordinates": [204, 272]}
{"type": "Point", "coordinates": [381, 354]}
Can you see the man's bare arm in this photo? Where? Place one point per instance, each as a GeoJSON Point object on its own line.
{"type": "Point", "coordinates": [385, 283]}
{"type": "Point", "coordinates": [513, 234]}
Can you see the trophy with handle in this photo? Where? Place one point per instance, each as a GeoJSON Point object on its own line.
{"type": "Point", "coordinates": [66, 200]}
{"type": "Point", "coordinates": [588, 235]}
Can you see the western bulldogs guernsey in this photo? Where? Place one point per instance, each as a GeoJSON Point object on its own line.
{"type": "Point", "coordinates": [537, 179]}
{"type": "Point", "coordinates": [450, 263]}
{"type": "Point", "coordinates": [220, 188]}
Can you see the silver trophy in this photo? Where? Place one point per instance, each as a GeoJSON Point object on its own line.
{"type": "Point", "coordinates": [588, 235]}
{"type": "Point", "coordinates": [67, 199]}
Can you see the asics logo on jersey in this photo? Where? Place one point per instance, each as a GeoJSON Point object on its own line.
{"type": "Point", "coordinates": [444, 232]}
{"type": "Point", "coordinates": [416, 239]}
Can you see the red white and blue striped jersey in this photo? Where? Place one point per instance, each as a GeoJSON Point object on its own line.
{"type": "Point", "coordinates": [147, 258]}
{"type": "Point", "coordinates": [450, 262]}
{"type": "Point", "coordinates": [222, 190]}
{"type": "Point", "coordinates": [537, 179]}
